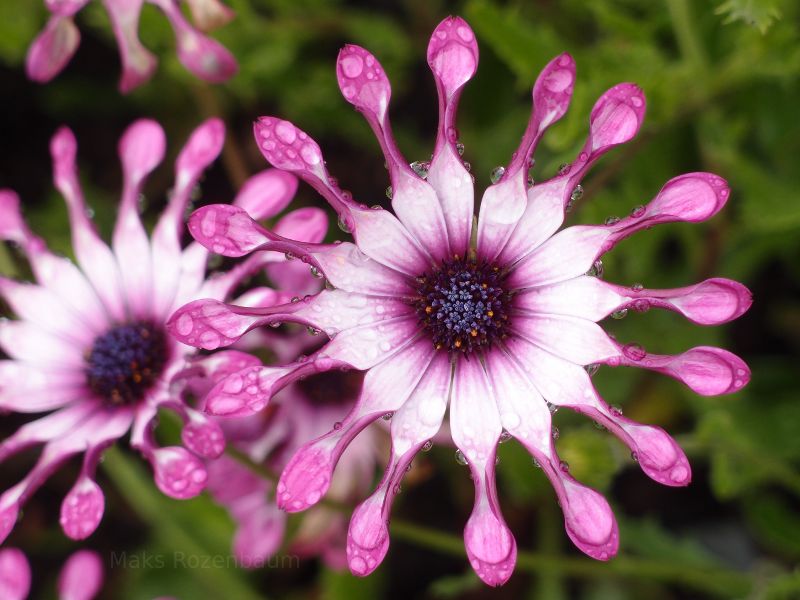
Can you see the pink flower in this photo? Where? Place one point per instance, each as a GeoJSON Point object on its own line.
{"type": "Point", "coordinates": [206, 58]}
{"type": "Point", "coordinates": [496, 319]}
{"type": "Point", "coordinates": [81, 576]}
{"type": "Point", "coordinates": [89, 346]}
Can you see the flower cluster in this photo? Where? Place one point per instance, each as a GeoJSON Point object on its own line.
{"type": "Point", "coordinates": [496, 319]}
{"type": "Point", "coordinates": [206, 58]}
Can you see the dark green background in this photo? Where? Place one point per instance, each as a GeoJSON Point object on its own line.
{"type": "Point", "coordinates": [721, 79]}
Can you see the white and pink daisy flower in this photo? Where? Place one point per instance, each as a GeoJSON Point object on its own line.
{"type": "Point", "coordinates": [89, 346]}
{"type": "Point", "coordinates": [206, 58]}
{"type": "Point", "coordinates": [496, 318]}
{"type": "Point", "coordinates": [81, 577]}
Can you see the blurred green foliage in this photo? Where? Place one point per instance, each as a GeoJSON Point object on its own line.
{"type": "Point", "coordinates": [721, 78]}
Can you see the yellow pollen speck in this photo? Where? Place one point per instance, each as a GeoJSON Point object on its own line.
{"type": "Point", "coordinates": [485, 285]}
{"type": "Point", "coordinates": [137, 378]}
{"type": "Point", "coordinates": [428, 310]}
{"type": "Point", "coordinates": [474, 333]}
{"type": "Point", "coordinates": [490, 313]}
{"type": "Point", "coordinates": [458, 344]}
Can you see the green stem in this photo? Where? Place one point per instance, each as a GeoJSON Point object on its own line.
{"type": "Point", "coordinates": [685, 34]}
{"type": "Point", "coordinates": [715, 581]}
{"type": "Point", "coordinates": [131, 480]}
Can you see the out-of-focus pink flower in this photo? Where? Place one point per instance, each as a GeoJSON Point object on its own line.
{"type": "Point", "coordinates": [81, 576]}
{"type": "Point", "coordinates": [203, 56]}
{"type": "Point", "coordinates": [89, 346]}
{"type": "Point", "coordinates": [496, 318]}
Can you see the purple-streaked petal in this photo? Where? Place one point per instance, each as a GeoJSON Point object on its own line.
{"type": "Point", "coordinates": [692, 198]}
{"type": "Point", "coordinates": [307, 476]}
{"type": "Point", "coordinates": [227, 230]}
{"type": "Point", "coordinates": [44, 429]}
{"type": "Point", "coordinates": [38, 389]}
{"type": "Point", "coordinates": [565, 384]}
{"type": "Point", "coordinates": [202, 435]}
{"type": "Point", "coordinates": [81, 577]}
{"type": "Point", "coordinates": [267, 193]}
{"type": "Point", "coordinates": [364, 84]}
{"type": "Point", "coordinates": [141, 149]}
{"type": "Point", "coordinates": [417, 421]}
{"type": "Point", "coordinates": [41, 307]}
{"type": "Point", "coordinates": [65, 8]}
{"type": "Point", "coordinates": [24, 341]}
{"type": "Point", "coordinates": [94, 256]}
{"type": "Point", "coordinates": [711, 302]}
{"type": "Point", "coordinates": [210, 14]}
{"type": "Point", "coordinates": [138, 63]}
{"type": "Point", "coordinates": [203, 56]}
{"type": "Point", "coordinates": [82, 509]}
{"type": "Point", "coordinates": [365, 346]}
{"type": "Point", "coordinates": [453, 59]}
{"type": "Point", "coordinates": [616, 118]}
{"type": "Point", "coordinates": [504, 203]}
{"type": "Point", "coordinates": [56, 273]}
{"type": "Point", "coordinates": [476, 427]}
{"type": "Point", "coordinates": [706, 370]}
{"type": "Point", "coordinates": [52, 49]}
{"type": "Point", "coordinates": [349, 269]}
{"type": "Point", "coordinates": [178, 473]}
{"type": "Point", "coordinates": [577, 340]}
{"type": "Point", "coordinates": [15, 574]}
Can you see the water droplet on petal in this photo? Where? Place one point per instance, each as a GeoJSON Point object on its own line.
{"type": "Point", "coordinates": [290, 256]}
{"type": "Point", "coordinates": [634, 351]}
{"type": "Point", "coordinates": [295, 299]}
{"type": "Point", "coordinates": [337, 426]}
{"type": "Point", "coordinates": [637, 287]}
{"type": "Point", "coordinates": [612, 220]}
{"type": "Point", "coordinates": [537, 464]}
{"type": "Point", "coordinates": [460, 458]}
{"type": "Point", "coordinates": [592, 369]}
{"type": "Point", "coordinates": [427, 446]}
{"type": "Point", "coordinates": [638, 211]}
{"type": "Point", "coordinates": [564, 466]}
{"type": "Point", "coordinates": [315, 272]}
{"type": "Point", "coordinates": [616, 411]}
{"type": "Point", "coordinates": [275, 324]}
{"type": "Point", "coordinates": [504, 437]}
{"type": "Point", "coordinates": [576, 194]}
{"type": "Point", "coordinates": [555, 432]}
{"type": "Point", "coordinates": [389, 192]}
{"type": "Point", "coordinates": [388, 416]}
{"type": "Point", "coordinates": [553, 408]}
{"type": "Point", "coordinates": [344, 225]}
{"type": "Point", "coordinates": [312, 330]}
{"type": "Point", "coordinates": [564, 168]}
{"type": "Point", "coordinates": [420, 168]}
{"type": "Point", "coordinates": [619, 314]}
{"type": "Point", "coordinates": [467, 166]}
{"type": "Point", "coordinates": [596, 270]}
{"type": "Point", "coordinates": [497, 174]}
{"type": "Point", "coordinates": [635, 457]}
{"type": "Point", "coordinates": [460, 148]}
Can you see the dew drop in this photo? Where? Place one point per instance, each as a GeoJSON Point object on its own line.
{"type": "Point", "coordinates": [290, 256]}
{"type": "Point", "coordinates": [635, 457]}
{"type": "Point", "coordinates": [564, 168]}
{"type": "Point", "coordinates": [634, 351]}
{"type": "Point", "coordinates": [638, 211]}
{"type": "Point", "coordinates": [504, 437]}
{"type": "Point", "coordinates": [420, 168]}
{"type": "Point", "coordinates": [637, 287]}
{"type": "Point", "coordinates": [616, 411]}
{"type": "Point", "coordinates": [612, 220]}
{"type": "Point", "coordinates": [315, 272]}
{"type": "Point", "coordinates": [344, 225]}
{"type": "Point", "coordinates": [388, 416]}
{"type": "Point", "coordinates": [337, 426]}
{"type": "Point", "coordinates": [592, 369]}
{"type": "Point", "coordinates": [497, 174]}
{"type": "Point", "coordinates": [467, 166]}
{"type": "Point", "coordinates": [389, 192]}
{"type": "Point", "coordinates": [555, 433]}
{"type": "Point", "coordinates": [577, 193]}
{"type": "Point", "coordinates": [537, 464]}
{"type": "Point", "coordinates": [596, 270]}
{"type": "Point", "coordinates": [460, 148]}
{"type": "Point", "coordinates": [460, 458]}
{"type": "Point", "coordinates": [295, 299]}
{"type": "Point", "coordinates": [553, 408]}
{"type": "Point", "coordinates": [619, 314]}
{"type": "Point", "coordinates": [275, 324]}
{"type": "Point", "coordinates": [312, 330]}
{"type": "Point", "coordinates": [427, 446]}
{"type": "Point", "coordinates": [564, 466]}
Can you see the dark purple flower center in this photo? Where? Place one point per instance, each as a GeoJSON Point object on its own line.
{"type": "Point", "coordinates": [125, 361]}
{"type": "Point", "coordinates": [463, 305]}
